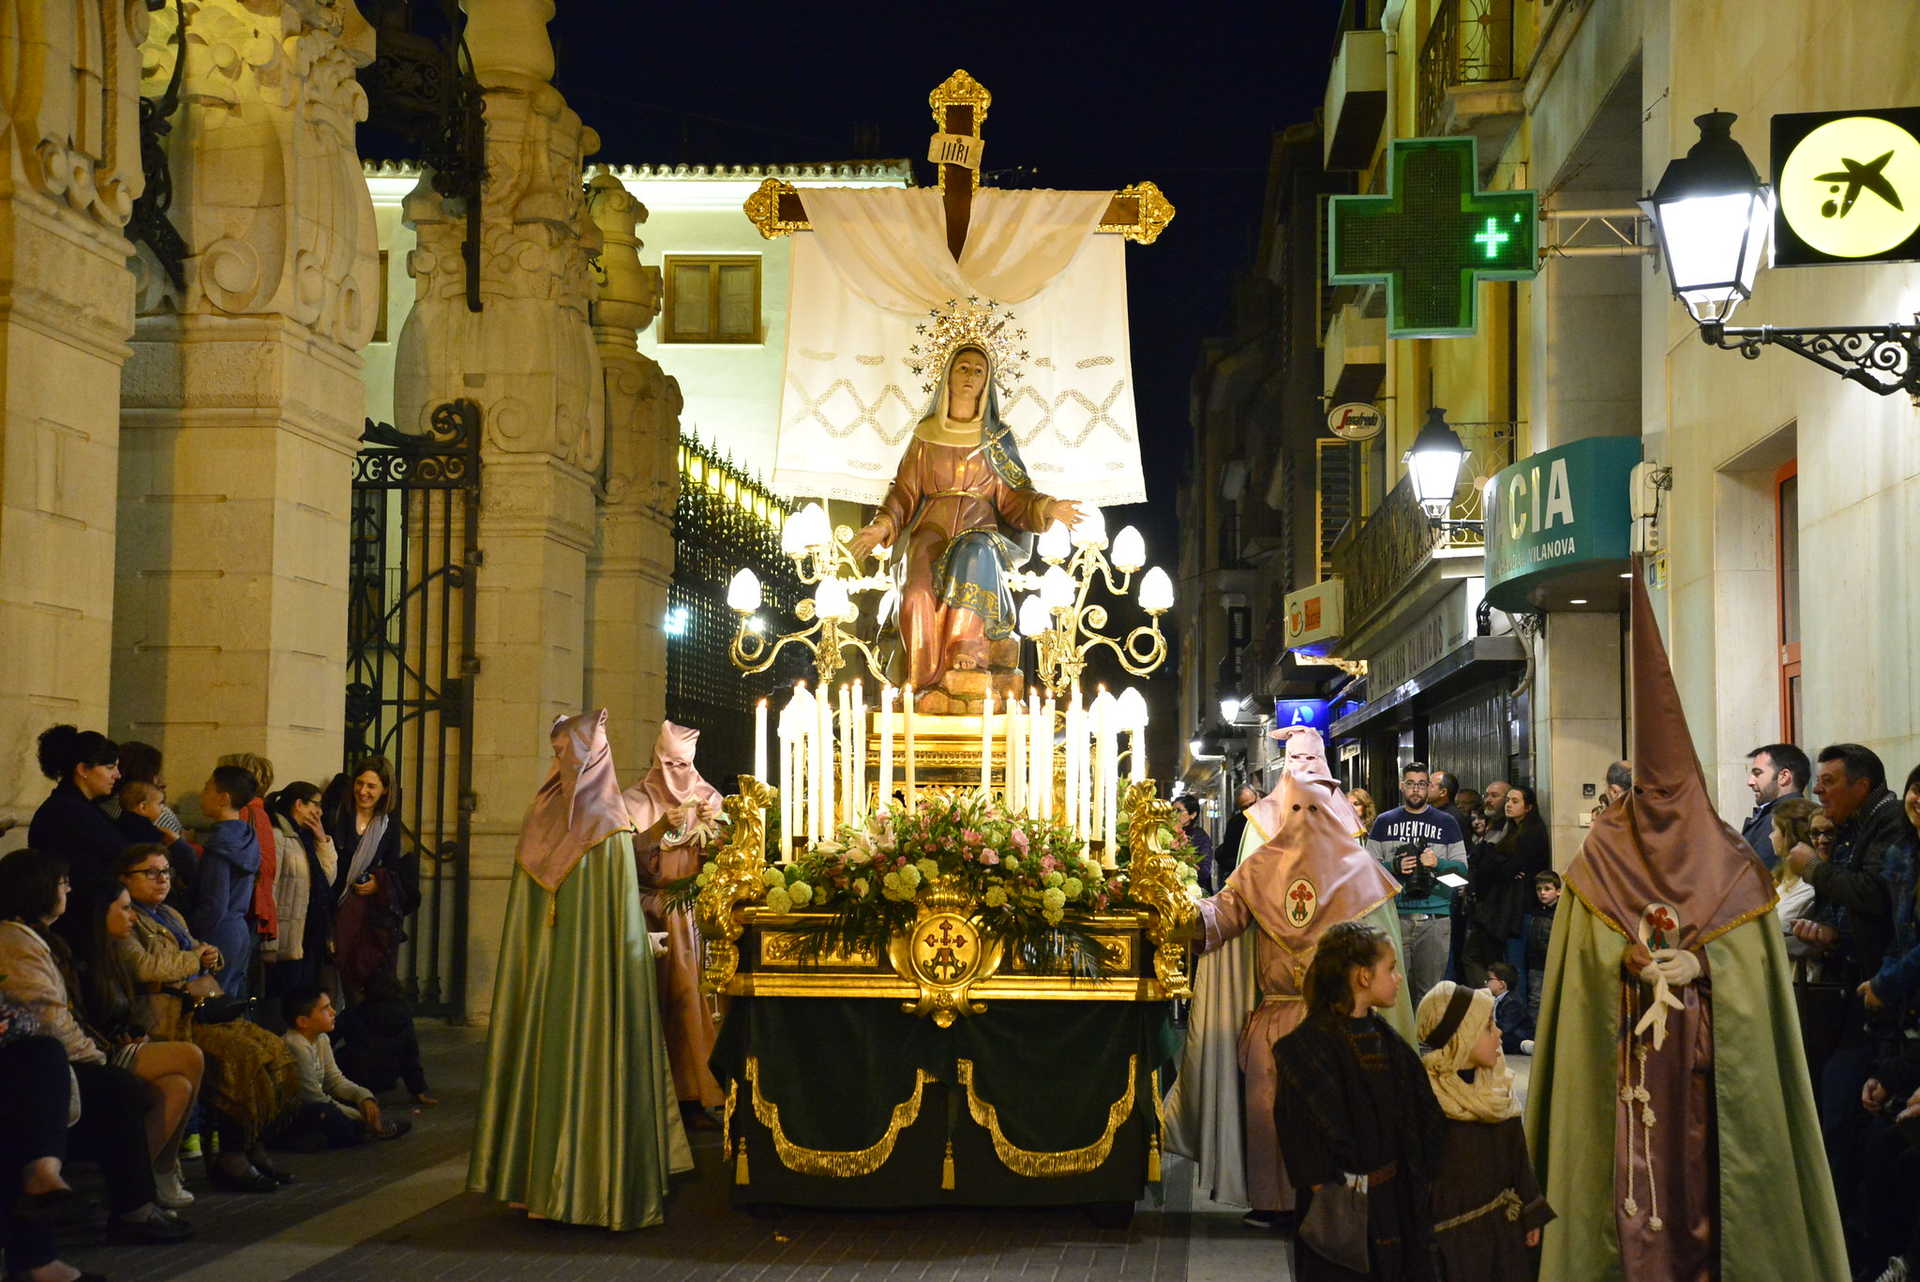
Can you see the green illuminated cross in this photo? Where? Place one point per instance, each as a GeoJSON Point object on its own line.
{"type": "Point", "coordinates": [1432, 238]}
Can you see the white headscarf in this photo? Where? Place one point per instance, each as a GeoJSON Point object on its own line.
{"type": "Point", "coordinates": [1489, 1096]}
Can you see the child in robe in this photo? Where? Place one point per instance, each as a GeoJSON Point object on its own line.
{"type": "Point", "coordinates": [1487, 1206]}
{"type": "Point", "coordinates": [1356, 1106]}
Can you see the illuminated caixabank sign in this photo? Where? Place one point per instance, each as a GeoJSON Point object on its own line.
{"type": "Point", "coordinates": [1847, 187]}
{"type": "Point", "coordinates": [1433, 237]}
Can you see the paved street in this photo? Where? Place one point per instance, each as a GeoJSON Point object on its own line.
{"type": "Point", "coordinates": [398, 1211]}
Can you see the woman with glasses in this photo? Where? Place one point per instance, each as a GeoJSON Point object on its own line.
{"type": "Point", "coordinates": [122, 1123]}
{"type": "Point", "coordinates": [253, 1079]}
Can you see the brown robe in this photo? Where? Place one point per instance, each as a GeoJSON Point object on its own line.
{"type": "Point", "coordinates": [938, 492]}
{"type": "Point", "coordinates": [1663, 844]}
{"type": "Point", "coordinates": [670, 787]}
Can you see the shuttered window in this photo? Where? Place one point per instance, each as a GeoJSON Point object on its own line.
{"type": "Point", "coordinates": [713, 300]}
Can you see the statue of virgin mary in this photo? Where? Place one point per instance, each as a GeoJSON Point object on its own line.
{"type": "Point", "coordinates": [959, 495]}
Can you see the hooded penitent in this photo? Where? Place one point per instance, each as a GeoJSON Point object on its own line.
{"type": "Point", "coordinates": [1313, 871]}
{"type": "Point", "coordinates": [577, 807]}
{"type": "Point", "coordinates": [1309, 872]}
{"type": "Point", "coordinates": [1669, 1084]}
{"type": "Point", "coordinates": [672, 782]}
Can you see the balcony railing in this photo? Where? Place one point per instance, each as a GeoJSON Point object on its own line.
{"type": "Point", "coordinates": [1470, 42]}
{"type": "Point", "coordinates": [1397, 539]}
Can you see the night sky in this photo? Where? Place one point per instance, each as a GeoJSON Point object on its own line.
{"type": "Point", "coordinates": [1082, 98]}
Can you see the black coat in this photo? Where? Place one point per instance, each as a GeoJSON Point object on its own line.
{"type": "Point", "coordinates": [1503, 873]}
{"type": "Point", "coordinates": [77, 829]}
{"type": "Point", "coordinates": [1851, 890]}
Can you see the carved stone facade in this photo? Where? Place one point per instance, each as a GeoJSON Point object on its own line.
{"type": "Point", "coordinates": [528, 360]}
{"type": "Point", "coordinates": [241, 405]}
{"type": "Point", "coordinates": [69, 102]}
{"type": "Point", "coordinates": [631, 567]}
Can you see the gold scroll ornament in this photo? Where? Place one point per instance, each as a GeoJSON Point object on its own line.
{"type": "Point", "coordinates": [737, 879]}
{"type": "Point", "coordinates": [1154, 880]}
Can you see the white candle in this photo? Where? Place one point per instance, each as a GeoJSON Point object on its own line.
{"type": "Point", "coordinates": [1107, 768]}
{"type": "Point", "coordinates": [786, 794]}
{"type": "Point", "coordinates": [1136, 755]}
{"type": "Point", "coordinates": [1016, 764]}
{"type": "Point", "coordinates": [825, 755]}
{"type": "Point", "coordinates": [986, 746]}
{"type": "Point", "coordinates": [1075, 743]}
{"type": "Point", "coordinates": [846, 753]}
{"type": "Point", "coordinates": [859, 732]}
{"type": "Point", "coordinates": [883, 796]}
{"type": "Point", "coordinates": [760, 740]}
{"type": "Point", "coordinates": [906, 703]}
{"type": "Point", "coordinates": [1047, 715]}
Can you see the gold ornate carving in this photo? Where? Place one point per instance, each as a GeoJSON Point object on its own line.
{"type": "Point", "coordinates": [960, 90]}
{"type": "Point", "coordinates": [736, 881]}
{"type": "Point", "coordinates": [944, 954]}
{"type": "Point", "coordinates": [763, 209]}
{"type": "Point", "coordinates": [1156, 211]}
{"type": "Point", "coordinates": [1156, 883]}
{"type": "Point", "coordinates": [843, 1164]}
{"type": "Point", "coordinates": [1038, 1165]}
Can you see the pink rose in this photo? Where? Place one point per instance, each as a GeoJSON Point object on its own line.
{"type": "Point", "coordinates": [989, 857]}
{"type": "Point", "coordinates": [1048, 863]}
{"type": "Point", "coordinates": [1020, 839]}
{"type": "Point", "coordinates": [969, 836]}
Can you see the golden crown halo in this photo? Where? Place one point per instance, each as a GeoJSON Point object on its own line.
{"type": "Point", "coordinates": [971, 322]}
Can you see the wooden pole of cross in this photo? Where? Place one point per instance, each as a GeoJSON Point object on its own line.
{"type": "Point", "coordinates": [1139, 213]}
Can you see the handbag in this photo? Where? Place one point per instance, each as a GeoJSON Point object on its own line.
{"type": "Point", "coordinates": [1336, 1225]}
{"type": "Point", "coordinates": [223, 1009]}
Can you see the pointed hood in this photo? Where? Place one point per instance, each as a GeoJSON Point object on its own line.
{"type": "Point", "coordinates": [1312, 871]}
{"type": "Point", "coordinates": [673, 781]}
{"type": "Point", "coordinates": [1306, 763]}
{"type": "Point", "coordinates": [1664, 844]}
{"type": "Point", "coordinates": [577, 807]}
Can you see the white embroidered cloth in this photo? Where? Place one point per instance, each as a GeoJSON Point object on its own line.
{"type": "Point", "coordinates": [877, 263]}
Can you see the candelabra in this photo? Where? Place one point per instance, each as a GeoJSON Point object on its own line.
{"type": "Point", "coordinates": [1065, 627]}
{"type": "Point", "coordinates": [824, 562]}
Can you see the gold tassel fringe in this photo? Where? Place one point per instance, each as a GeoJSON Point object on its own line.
{"type": "Point", "coordinates": [946, 1168]}
{"type": "Point", "coordinates": [740, 1164]}
{"type": "Point", "coordinates": [1153, 1161]}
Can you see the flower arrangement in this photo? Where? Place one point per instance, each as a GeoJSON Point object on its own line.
{"type": "Point", "coordinates": [1033, 881]}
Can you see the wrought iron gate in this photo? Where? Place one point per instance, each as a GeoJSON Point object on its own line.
{"type": "Point", "coordinates": [412, 556]}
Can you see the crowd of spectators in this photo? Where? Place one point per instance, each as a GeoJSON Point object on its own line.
{"type": "Point", "coordinates": [168, 993]}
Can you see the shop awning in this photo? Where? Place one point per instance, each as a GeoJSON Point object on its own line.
{"type": "Point", "coordinates": [1476, 660]}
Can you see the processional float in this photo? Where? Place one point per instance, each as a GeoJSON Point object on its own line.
{"type": "Point", "coordinates": [961, 872]}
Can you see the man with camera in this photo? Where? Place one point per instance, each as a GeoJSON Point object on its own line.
{"type": "Point", "coordinates": [1419, 844]}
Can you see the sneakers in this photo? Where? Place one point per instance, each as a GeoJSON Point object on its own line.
{"type": "Point", "coordinates": [190, 1146]}
{"type": "Point", "coordinates": [1897, 1270]}
{"type": "Point", "coordinates": [170, 1191]}
{"type": "Point", "coordinates": [149, 1225]}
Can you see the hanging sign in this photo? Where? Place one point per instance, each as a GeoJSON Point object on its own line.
{"type": "Point", "coordinates": [1433, 237]}
{"type": "Point", "coordinates": [1355, 421]}
{"type": "Point", "coordinates": [1559, 524]}
{"type": "Point", "coordinates": [1847, 187]}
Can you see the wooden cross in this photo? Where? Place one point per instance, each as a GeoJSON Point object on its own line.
{"type": "Point", "coordinates": [960, 104]}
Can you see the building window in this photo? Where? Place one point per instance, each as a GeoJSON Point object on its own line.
{"type": "Point", "coordinates": [713, 300]}
{"type": "Point", "coordinates": [1786, 567]}
{"type": "Point", "coordinates": [380, 310]}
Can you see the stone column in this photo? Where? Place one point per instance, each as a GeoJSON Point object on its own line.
{"type": "Point", "coordinates": [241, 408]}
{"type": "Point", "coordinates": [528, 360]}
{"type": "Point", "coordinates": [69, 89]}
{"type": "Point", "coordinates": [631, 565]}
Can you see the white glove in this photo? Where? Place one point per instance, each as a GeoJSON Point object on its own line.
{"type": "Point", "coordinates": [1670, 968]}
{"type": "Point", "coordinates": [1358, 1183]}
{"type": "Point", "coordinates": [1675, 965]}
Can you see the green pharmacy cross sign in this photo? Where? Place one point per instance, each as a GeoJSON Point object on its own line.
{"type": "Point", "coordinates": [1433, 237]}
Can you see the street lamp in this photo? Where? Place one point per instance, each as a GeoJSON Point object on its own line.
{"type": "Point", "coordinates": [1433, 464]}
{"type": "Point", "coordinates": [1710, 214]}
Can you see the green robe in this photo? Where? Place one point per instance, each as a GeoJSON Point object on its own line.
{"type": "Point", "coordinates": [1777, 1213]}
{"type": "Point", "coordinates": [578, 1117]}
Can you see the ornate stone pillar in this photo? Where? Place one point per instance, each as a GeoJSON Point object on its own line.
{"type": "Point", "coordinates": [242, 406]}
{"type": "Point", "coordinates": [632, 562]}
{"type": "Point", "coordinates": [528, 360]}
{"type": "Point", "coordinates": [69, 118]}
